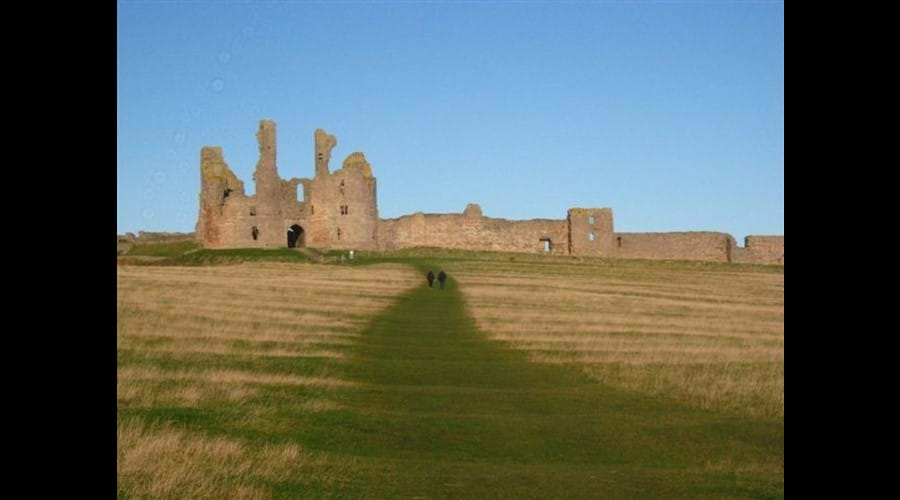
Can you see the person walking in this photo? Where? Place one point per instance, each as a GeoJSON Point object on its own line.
{"type": "Point", "coordinates": [430, 277]}
{"type": "Point", "coordinates": [442, 277]}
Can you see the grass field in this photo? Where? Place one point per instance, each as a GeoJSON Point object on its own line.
{"type": "Point", "coordinates": [525, 378]}
{"type": "Point", "coordinates": [712, 338]}
{"type": "Point", "coordinates": [249, 341]}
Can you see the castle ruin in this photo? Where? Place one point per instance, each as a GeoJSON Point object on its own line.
{"type": "Point", "coordinates": [339, 210]}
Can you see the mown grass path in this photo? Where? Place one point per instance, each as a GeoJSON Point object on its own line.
{"type": "Point", "coordinates": [442, 412]}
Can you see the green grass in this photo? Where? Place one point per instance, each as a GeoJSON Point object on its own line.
{"type": "Point", "coordinates": [442, 412]}
{"type": "Point", "coordinates": [164, 249]}
{"type": "Point", "coordinates": [205, 257]}
{"type": "Point", "coordinates": [190, 254]}
{"type": "Point", "coordinates": [489, 258]}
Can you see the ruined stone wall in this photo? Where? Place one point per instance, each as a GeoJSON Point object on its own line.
{"type": "Point", "coordinates": [292, 207]}
{"type": "Point", "coordinates": [710, 246]}
{"type": "Point", "coordinates": [760, 250]}
{"type": "Point", "coordinates": [471, 230]}
{"type": "Point", "coordinates": [591, 232]}
{"type": "Point", "coordinates": [238, 221]}
{"type": "Point", "coordinates": [340, 210]}
{"type": "Point", "coordinates": [766, 249]}
{"type": "Point", "coordinates": [235, 227]}
{"type": "Point", "coordinates": [739, 255]}
{"type": "Point", "coordinates": [319, 234]}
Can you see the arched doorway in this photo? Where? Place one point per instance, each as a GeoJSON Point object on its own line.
{"type": "Point", "coordinates": [295, 236]}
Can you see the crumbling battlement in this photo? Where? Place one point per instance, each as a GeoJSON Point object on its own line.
{"type": "Point", "coordinates": [340, 210]}
{"type": "Point", "coordinates": [471, 230]}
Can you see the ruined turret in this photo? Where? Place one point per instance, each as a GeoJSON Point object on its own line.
{"type": "Point", "coordinates": [325, 142]}
{"type": "Point", "coordinates": [354, 189]}
{"type": "Point", "coordinates": [217, 184]}
{"type": "Point", "coordinates": [269, 222]}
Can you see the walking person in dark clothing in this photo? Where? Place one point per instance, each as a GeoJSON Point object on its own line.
{"type": "Point", "coordinates": [442, 277]}
{"type": "Point", "coordinates": [430, 277]}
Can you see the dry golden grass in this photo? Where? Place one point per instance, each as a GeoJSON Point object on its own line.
{"type": "Point", "coordinates": [164, 462]}
{"type": "Point", "coordinates": [713, 338]}
{"type": "Point", "coordinates": [160, 461]}
{"type": "Point", "coordinates": [252, 309]}
{"type": "Point", "coordinates": [148, 387]}
{"type": "Point", "coordinates": [208, 338]}
{"type": "Point", "coordinates": [241, 312]}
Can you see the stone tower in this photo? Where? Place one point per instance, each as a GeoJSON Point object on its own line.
{"type": "Point", "coordinates": [321, 203]}
{"type": "Point", "coordinates": [356, 219]}
{"type": "Point", "coordinates": [591, 232]}
{"type": "Point", "coordinates": [217, 184]}
{"type": "Point", "coordinates": [342, 204]}
{"type": "Point", "coordinates": [269, 220]}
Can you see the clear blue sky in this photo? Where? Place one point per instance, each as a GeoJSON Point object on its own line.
{"type": "Point", "coordinates": [670, 113]}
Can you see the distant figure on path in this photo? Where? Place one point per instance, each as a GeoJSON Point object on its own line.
{"type": "Point", "coordinates": [430, 278]}
{"type": "Point", "coordinates": [442, 277]}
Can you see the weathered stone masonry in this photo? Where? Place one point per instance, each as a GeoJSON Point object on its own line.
{"type": "Point", "coordinates": [340, 210]}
